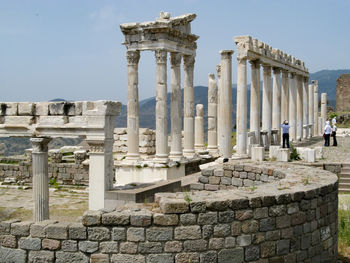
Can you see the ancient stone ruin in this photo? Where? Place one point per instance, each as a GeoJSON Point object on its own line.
{"type": "Point", "coordinates": [343, 93]}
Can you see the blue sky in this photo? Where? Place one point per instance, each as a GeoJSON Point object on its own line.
{"type": "Point", "coordinates": [72, 49]}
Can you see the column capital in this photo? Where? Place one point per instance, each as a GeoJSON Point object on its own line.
{"type": "Point", "coordinates": [161, 56]}
{"type": "Point", "coordinates": [226, 54]}
{"type": "Point", "coordinates": [267, 69]}
{"type": "Point", "coordinates": [242, 60]}
{"type": "Point", "coordinates": [189, 61]}
{"type": "Point", "coordinates": [96, 146]}
{"type": "Point", "coordinates": [284, 73]}
{"type": "Point", "coordinates": [292, 75]}
{"type": "Point", "coordinates": [133, 57]}
{"type": "Point", "coordinates": [175, 59]}
{"type": "Point", "coordinates": [276, 70]}
{"type": "Point", "coordinates": [306, 79]}
{"type": "Point", "coordinates": [40, 144]}
{"type": "Point", "coordinates": [255, 63]}
{"type": "Point", "coordinates": [218, 71]}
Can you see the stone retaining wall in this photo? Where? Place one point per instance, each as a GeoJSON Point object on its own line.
{"type": "Point", "coordinates": [289, 220]}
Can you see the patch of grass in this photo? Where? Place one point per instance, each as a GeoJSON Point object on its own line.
{"type": "Point", "coordinates": [306, 180]}
{"type": "Point", "coordinates": [5, 161]}
{"type": "Point", "coordinates": [187, 197]}
{"type": "Point", "coordinates": [54, 183]}
{"type": "Point", "coordinates": [294, 155]}
{"type": "Point", "coordinates": [234, 138]}
{"type": "Point", "coordinates": [344, 234]}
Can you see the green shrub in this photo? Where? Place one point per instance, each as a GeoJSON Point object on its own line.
{"type": "Point", "coordinates": [294, 155]}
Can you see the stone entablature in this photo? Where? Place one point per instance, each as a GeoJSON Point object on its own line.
{"type": "Point", "coordinates": [289, 220]}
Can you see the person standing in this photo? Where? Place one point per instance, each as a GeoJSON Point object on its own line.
{"type": "Point", "coordinates": [334, 120]}
{"type": "Point", "coordinates": [334, 134]}
{"type": "Point", "coordinates": [327, 133]}
{"type": "Point", "coordinates": [285, 134]}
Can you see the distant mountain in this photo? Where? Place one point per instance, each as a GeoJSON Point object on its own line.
{"type": "Point", "coordinates": [326, 82]}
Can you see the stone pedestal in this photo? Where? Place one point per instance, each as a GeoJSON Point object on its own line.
{"type": "Point", "coordinates": [40, 178]}
{"type": "Point", "coordinates": [300, 121]}
{"type": "Point", "coordinates": [175, 108]}
{"type": "Point", "coordinates": [161, 107]}
{"type": "Point", "coordinates": [276, 100]}
{"type": "Point", "coordinates": [311, 110]}
{"type": "Point", "coordinates": [199, 128]}
{"type": "Point", "coordinates": [324, 107]}
{"type": "Point", "coordinates": [100, 171]}
{"type": "Point", "coordinates": [258, 153]}
{"type": "Point", "coordinates": [283, 155]}
{"type": "Point", "coordinates": [267, 104]}
{"type": "Point", "coordinates": [212, 115]}
{"type": "Point", "coordinates": [133, 58]}
{"type": "Point", "coordinates": [273, 151]}
{"type": "Point", "coordinates": [315, 112]}
{"type": "Point", "coordinates": [225, 106]}
{"type": "Point", "coordinates": [305, 108]}
{"type": "Point", "coordinates": [292, 108]}
{"type": "Point", "coordinates": [188, 150]}
{"type": "Point", "coordinates": [255, 100]}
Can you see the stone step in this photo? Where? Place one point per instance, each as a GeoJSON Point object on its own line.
{"type": "Point", "coordinates": [344, 186]}
{"type": "Point", "coordinates": [345, 170]}
{"type": "Point", "coordinates": [343, 180]}
{"type": "Point", "coordinates": [343, 190]}
{"type": "Point", "coordinates": [346, 165]}
{"type": "Point", "coordinates": [344, 175]}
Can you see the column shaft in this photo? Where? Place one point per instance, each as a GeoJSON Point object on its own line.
{"type": "Point", "coordinates": [284, 96]}
{"type": "Point", "coordinates": [324, 108]}
{"type": "Point", "coordinates": [161, 107]}
{"type": "Point", "coordinates": [242, 108]}
{"type": "Point", "coordinates": [267, 104]}
{"type": "Point", "coordinates": [175, 107]}
{"type": "Point", "coordinates": [305, 108]}
{"type": "Point", "coordinates": [299, 108]}
{"type": "Point", "coordinates": [292, 107]}
{"type": "Point", "coordinates": [276, 99]}
{"type": "Point", "coordinates": [40, 178]}
{"type": "Point", "coordinates": [212, 114]}
{"type": "Point", "coordinates": [225, 107]}
{"type": "Point", "coordinates": [311, 110]}
{"type": "Point", "coordinates": [133, 58]}
{"type": "Point", "coordinates": [316, 132]}
{"type": "Point", "coordinates": [188, 106]}
{"type": "Point", "coordinates": [199, 128]}
{"type": "Point", "coordinates": [219, 121]}
{"type": "Point", "coordinates": [255, 100]}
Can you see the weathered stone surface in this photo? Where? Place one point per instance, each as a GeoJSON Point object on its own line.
{"type": "Point", "coordinates": [250, 226]}
{"type": "Point", "coordinates": [118, 233]}
{"type": "Point", "coordinates": [135, 234]}
{"type": "Point", "coordinates": [99, 258]}
{"type": "Point", "coordinates": [187, 232]}
{"type": "Point", "coordinates": [343, 93]}
{"type": "Point", "coordinates": [109, 247]}
{"type": "Point", "coordinates": [41, 256]}
{"type": "Point", "coordinates": [226, 216]}
{"type": "Point", "coordinates": [208, 256]}
{"type": "Point", "coordinates": [128, 247]}
{"type": "Point", "coordinates": [252, 253]}
{"type": "Point", "coordinates": [166, 220]}
{"type": "Point", "coordinates": [216, 243]}
{"type": "Point", "coordinates": [120, 258]}
{"type": "Point", "coordinates": [232, 255]}
{"type": "Point", "coordinates": [222, 230]}
{"type": "Point", "coordinates": [174, 206]}
{"type": "Point", "coordinates": [57, 231]}
{"type": "Point", "coordinates": [140, 218]}
{"type": "Point", "coordinates": [150, 247]}
{"type": "Point", "coordinates": [77, 231]}
{"type": "Point", "coordinates": [50, 244]}
{"type": "Point", "coordinates": [159, 234]}
{"type": "Point", "coordinates": [8, 241]}
{"type": "Point", "coordinates": [29, 243]}
{"type": "Point", "coordinates": [69, 245]}
{"type": "Point", "coordinates": [98, 233]}
{"type": "Point", "coordinates": [173, 246]}
{"type": "Point", "coordinates": [207, 218]}
{"type": "Point", "coordinates": [282, 247]}
{"type": "Point", "coordinates": [195, 245]}
{"type": "Point", "coordinates": [116, 218]}
{"type": "Point", "coordinates": [12, 255]}
{"type": "Point", "coordinates": [188, 219]}
{"type": "Point", "coordinates": [187, 257]}
{"type": "Point", "coordinates": [64, 257]}
{"type": "Point", "coordinates": [267, 249]}
{"type": "Point", "coordinates": [20, 228]}
{"type": "Point", "coordinates": [267, 224]}
{"type": "Point", "coordinates": [244, 240]}
{"type": "Point", "coordinates": [88, 246]}
{"type": "Point", "coordinates": [161, 258]}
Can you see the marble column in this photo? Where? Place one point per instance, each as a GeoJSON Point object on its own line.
{"type": "Point", "coordinates": [305, 107]}
{"type": "Point", "coordinates": [276, 100]}
{"type": "Point", "coordinates": [311, 110]}
{"type": "Point", "coordinates": [324, 108]}
{"type": "Point", "coordinates": [40, 178]}
{"type": "Point", "coordinates": [175, 107]}
{"type": "Point", "coordinates": [100, 171]}
{"type": "Point", "coordinates": [299, 108]}
{"type": "Point", "coordinates": [212, 114]}
{"type": "Point", "coordinates": [315, 111]}
{"type": "Point", "coordinates": [133, 58]}
{"type": "Point", "coordinates": [161, 107]}
{"type": "Point", "coordinates": [242, 107]}
{"type": "Point", "coordinates": [255, 100]}
{"type": "Point", "coordinates": [267, 104]}
{"type": "Point", "coordinates": [199, 128]}
{"type": "Point", "coordinates": [225, 106]}
{"type": "Point", "coordinates": [292, 107]}
{"type": "Point", "coordinates": [218, 70]}
{"type": "Point", "coordinates": [284, 96]}
{"type": "Point", "coordinates": [188, 107]}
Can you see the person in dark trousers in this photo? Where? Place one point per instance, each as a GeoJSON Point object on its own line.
{"type": "Point", "coordinates": [334, 134]}
{"type": "Point", "coordinates": [327, 133]}
{"type": "Point", "coordinates": [285, 133]}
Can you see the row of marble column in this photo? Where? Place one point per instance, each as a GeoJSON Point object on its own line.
{"type": "Point", "coordinates": [162, 154]}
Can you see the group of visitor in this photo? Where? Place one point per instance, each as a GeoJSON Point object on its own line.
{"type": "Point", "coordinates": [328, 132]}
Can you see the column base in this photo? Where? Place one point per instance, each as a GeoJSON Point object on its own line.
{"type": "Point", "coordinates": [189, 153]}
{"type": "Point", "coordinates": [160, 158]}
{"type": "Point", "coordinates": [176, 156]}
{"type": "Point", "coordinates": [131, 158]}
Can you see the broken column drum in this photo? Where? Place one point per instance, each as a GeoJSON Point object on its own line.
{"type": "Point", "coordinates": [212, 114]}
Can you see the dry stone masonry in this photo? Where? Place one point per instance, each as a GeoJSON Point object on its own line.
{"type": "Point", "coordinates": [290, 218]}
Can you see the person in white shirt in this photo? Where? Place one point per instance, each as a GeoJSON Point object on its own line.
{"type": "Point", "coordinates": [334, 120]}
{"type": "Point", "coordinates": [334, 135]}
{"type": "Point", "coordinates": [285, 133]}
{"type": "Point", "coordinates": [327, 133]}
